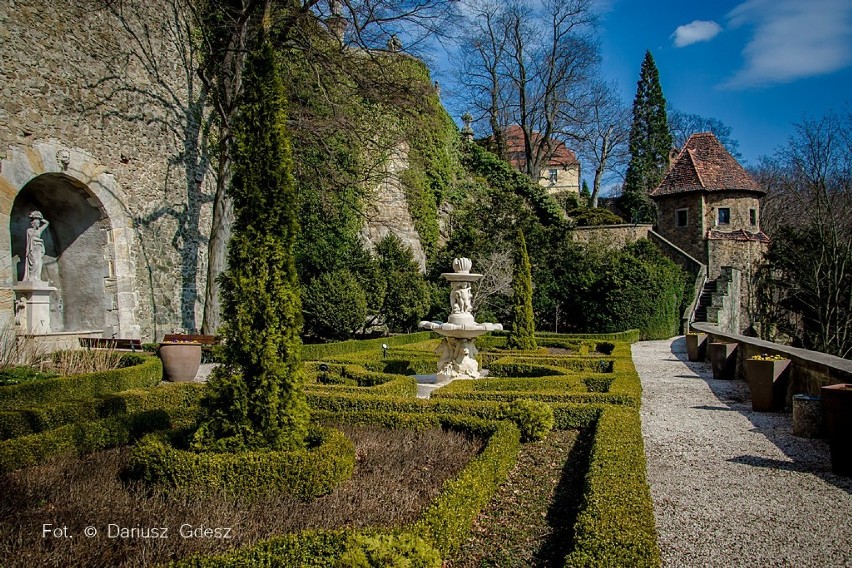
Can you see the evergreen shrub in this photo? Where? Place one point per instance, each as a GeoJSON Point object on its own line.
{"type": "Point", "coordinates": [534, 418]}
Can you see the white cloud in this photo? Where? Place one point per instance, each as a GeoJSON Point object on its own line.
{"type": "Point", "coordinates": [695, 31]}
{"type": "Point", "coordinates": [792, 39]}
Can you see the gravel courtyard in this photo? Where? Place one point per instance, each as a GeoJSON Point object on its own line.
{"type": "Point", "coordinates": [733, 487]}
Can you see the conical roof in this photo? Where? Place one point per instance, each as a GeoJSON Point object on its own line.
{"type": "Point", "coordinates": [705, 165]}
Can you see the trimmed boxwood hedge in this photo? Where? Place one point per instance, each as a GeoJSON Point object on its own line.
{"type": "Point", "coordinates": [81, 438]}
{"type": "Point", "coordinates": [308, 473]}
{"type": "Point", "coordinates": [147, 373]}
{"type": "Point", "coordinates": [319, 351]}
{"type": "Point", "coordinates": [445, 522]}
{"type": "Point", "coordinates": [34, 419]}
{"type": "Point", "coordinates": [132, 414]}
{"type": "Point", "coordinates": [615, 526]}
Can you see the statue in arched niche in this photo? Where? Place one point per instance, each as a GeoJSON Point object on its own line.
{"type": "Point", "coordinates": [35, 247]}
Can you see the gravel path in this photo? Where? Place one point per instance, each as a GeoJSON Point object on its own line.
{"type": "Point", "coordinates": [733, 487]}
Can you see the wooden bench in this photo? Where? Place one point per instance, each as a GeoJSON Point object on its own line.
{"type": "Point", "coordinates": [111, 343]}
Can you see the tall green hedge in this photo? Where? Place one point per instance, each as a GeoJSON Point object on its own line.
{"type": "Point", "coordinates": [256, 400]}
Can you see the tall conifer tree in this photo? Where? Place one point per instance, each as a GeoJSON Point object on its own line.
{"type": "Point", "coordinates": [650, 143]}
{"type": "Point", "coordinates": [522, 335]}
{"type": "Point", "coordinates": [256, 400]}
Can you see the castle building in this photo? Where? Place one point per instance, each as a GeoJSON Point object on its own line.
{"type": "Point", "coordinates": [708, 206]}
{"type": "Point", "coordinates": [561, 173]}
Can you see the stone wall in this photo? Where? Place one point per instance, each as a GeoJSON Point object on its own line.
{"type": "Point", "coordinates": [810, 369]}
{"type": "Point", "coordinates": [691, 237]}
{"type": "Point", "coordinates": [118, 93]}
{"type": "Point", "coordinates": [387, 209]}
{"type": "Point", "coordinates": [745, 256]}
{"type": "Point", "coordinates": [612, 236]}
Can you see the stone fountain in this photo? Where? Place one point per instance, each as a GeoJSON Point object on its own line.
{"type": "Point", "coordinates": [457, 351]}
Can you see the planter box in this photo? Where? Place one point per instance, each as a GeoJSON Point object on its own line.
{"type": "Point", "coordinates": [696, 346]}
{"type": "Point", "coordinates": [768, 383]}
{"type": "Point", "coordinates": [723, 357]}
{"type": "Point", "coordinates": [180, 361]}
{"type": "Point", "coordinates": [837, 408]}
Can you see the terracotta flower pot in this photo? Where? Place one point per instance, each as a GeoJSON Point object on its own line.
{"type": "Point", "coordinates": [837, 407]}
{"type": "Point", "coordinates": [180, 361]}
{"type": "Point", "coordinates": [724, 359]}
{"type": "Point", "coordinates": [767, 379]}
{"type": "Point", "coordinates": [696, 346]}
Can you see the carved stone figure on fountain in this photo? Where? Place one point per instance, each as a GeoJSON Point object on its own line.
{"type": "Point", "coordinates": [460, 298]}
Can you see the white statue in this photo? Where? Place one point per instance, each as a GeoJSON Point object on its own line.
{"type": "Point", "coordinates": [461, 299]}
{"type": "Point", "coordinates": [35, 247]}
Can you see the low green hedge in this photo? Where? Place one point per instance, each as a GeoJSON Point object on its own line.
{"type": "Point", "coordinates": [40, 418]}
{"type": "Point", "coordinates": [444, 524]}
{"type": "Point", "coordinates": [319, 351]}
{"type": "Point", "coordinates": [81, 438]}
{"type": "Point", "coordinates": [132, 414]}
{"type": "Point", "coordinates": [355, 378]}
{"type": "Point", "coordinates": [146, 374]}
{"type": "Point", "coordinates": [615, 526]}
{"type": "Point", "coordinates": [308, 473]}
{"type": "Point", "coordinates": [567, 415]}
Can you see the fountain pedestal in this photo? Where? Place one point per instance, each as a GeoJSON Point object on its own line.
{"type": "Point", "coordinates": [457, 351]}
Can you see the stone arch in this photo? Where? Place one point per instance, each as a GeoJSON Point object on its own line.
{"type": "Point", "coordinates": [97, 230]}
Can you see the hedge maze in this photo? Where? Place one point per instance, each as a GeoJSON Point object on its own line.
{"type": "Point", "coordinates": [568, 382]}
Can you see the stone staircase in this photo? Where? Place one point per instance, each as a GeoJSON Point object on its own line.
{"type": "Point", "coordinates": [718, 299]}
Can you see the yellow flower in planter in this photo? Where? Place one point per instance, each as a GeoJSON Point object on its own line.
{"type": "Point", "coordinates": [767, 357]}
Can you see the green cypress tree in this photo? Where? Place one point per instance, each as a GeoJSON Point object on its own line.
{"type": "Point", "coordinates": [522, 335]}
{"type": "Point", "coordinates": [650, 143]}
{"type": "Point", "coordinates": [256, 401]}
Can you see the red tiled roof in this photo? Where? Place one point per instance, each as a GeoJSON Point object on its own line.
{"type": "Point", "coordinates": [562, 156]}
{"type": "Point", "coordinates": [738, 235]}
{"type": "Point", "coordinates": [705, 165]}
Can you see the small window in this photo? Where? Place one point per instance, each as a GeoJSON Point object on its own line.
{"type": "Point", "coordinates": [752, 217]}
{"type": "Point", "coordinates": [553, 175]}
{"type": "Point", "coordinates": [724, 216]}
{"type": "Point", "coordinates": [681, 217]}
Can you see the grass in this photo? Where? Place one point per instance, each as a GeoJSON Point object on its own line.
{"type": "Point", "coordinates": [397, 473]}
{"type": "Point", "coordinates": [530, 520]}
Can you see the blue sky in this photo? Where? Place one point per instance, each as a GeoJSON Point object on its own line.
{"type": "Point", "coordinates": [759, 66]}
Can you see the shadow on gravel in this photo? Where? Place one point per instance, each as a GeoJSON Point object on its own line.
{"type": "Point", "coordinates": [806, 455]}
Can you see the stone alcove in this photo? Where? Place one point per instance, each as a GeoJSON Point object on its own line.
{"type": "Point", "coordinates": [88, 243]}
{"type": "Point", "coordinates": [77, 260]}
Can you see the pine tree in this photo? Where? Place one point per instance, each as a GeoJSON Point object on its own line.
{"type": "Point", "coordinates": [650, 143]}
{"type": "Point", "coordinates": [522, 335]}
{"type": "Point", "coordinates": [256, 400]}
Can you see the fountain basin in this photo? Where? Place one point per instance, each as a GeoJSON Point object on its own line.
{"type": "Point", "coordinates": [466, 331]}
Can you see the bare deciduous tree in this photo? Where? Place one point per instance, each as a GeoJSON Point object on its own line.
{"type": "Point", "coordinates": [528, 63]}
{"type": "Point", "coordinates": [603, 134]}
{"type": "Point", "coordinates": [807, 214]}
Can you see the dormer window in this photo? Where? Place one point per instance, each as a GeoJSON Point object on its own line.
{"type": "Point", "coordinates": [553, 175]}
{"type": "Point", "coordinates": [724, 217]}
{"type": "Point", "coordinates": [681, 217]}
